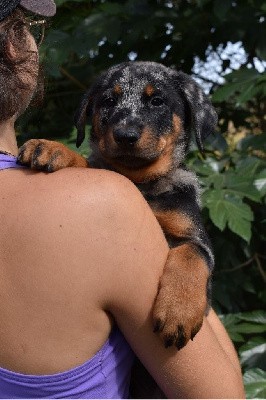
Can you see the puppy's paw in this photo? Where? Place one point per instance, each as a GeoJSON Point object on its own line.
{"type": "Point", "coordinates": [181, 302]}
{"type": "Point", "coordinates": [49, 156]}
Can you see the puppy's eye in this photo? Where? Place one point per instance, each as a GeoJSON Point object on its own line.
{"type": "Point", "coordinates": [109, 102]}
{"type": "Point", "coordinates": [157, 101]}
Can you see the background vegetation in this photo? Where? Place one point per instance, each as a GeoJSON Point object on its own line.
{"type": "Point", "coordinates": [222, 44]}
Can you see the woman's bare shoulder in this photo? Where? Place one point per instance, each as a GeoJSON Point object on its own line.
{"type": "Point", "coordinates": [85, 182]}
{"type": "Point", "coordinates": [95, 203]}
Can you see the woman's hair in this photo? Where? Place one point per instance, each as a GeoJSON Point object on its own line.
{"type": "Point", "coordinates": [13, 89]}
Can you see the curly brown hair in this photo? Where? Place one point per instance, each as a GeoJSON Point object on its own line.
{"type": "Point", "coordinates": [13, 30]}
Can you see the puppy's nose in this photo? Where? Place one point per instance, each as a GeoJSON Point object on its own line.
{"type": "Point", "coordinates": [126, 135]}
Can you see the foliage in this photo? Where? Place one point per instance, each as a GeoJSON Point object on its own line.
{"type": "Point", "coordinates": [247, 330]}
{"type": "Point", "coordinates": [222, 44]}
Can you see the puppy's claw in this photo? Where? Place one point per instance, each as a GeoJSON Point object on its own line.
{"type": "Point", "coordinates": [181, 337]}
{"type": "Point", "coordinates": [35, 157]}
{"type": "Point", "coordinates": [21, 156]}
{"type": "Point", "coordinates": [158, 326]}
{"type": "Point", "coordinates": [169, 341]}
{"type": "Point", "coordinates": [195, 331]}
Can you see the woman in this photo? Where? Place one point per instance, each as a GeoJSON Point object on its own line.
{"type": "Point", "coordinates": [81, 255]}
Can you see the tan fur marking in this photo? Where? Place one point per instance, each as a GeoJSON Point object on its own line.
{"type": "Point", "coordinates": [105, 142]}
{"type": "Point", "coordinates": [174, 223]}
{"type": "Point", "coordinates": [64, 157]}
{"type": "Point", "coordinates": [184, 261]}
{"type": "Point", "coordinates": [149, 90]}
{"type": "Point", "coordinates": [177, 125]}
{"type": "Point", "coordinates": [96, 124]}
{"type": "Point", "coordinates": [78, 161]}
{"type": "Point", "coordinates": [144, 174]}
{"type": "Point", "coordinates": [117, 89]}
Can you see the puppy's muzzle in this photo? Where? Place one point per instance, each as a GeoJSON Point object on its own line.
{"type": "Point", "coordinates": [126, 136]}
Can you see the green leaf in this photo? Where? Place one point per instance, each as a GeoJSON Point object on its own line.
{"type": "Point", "coordinates": [248, 166]}
{"type": "Point", "coordinates": [258, 316]}
{"type": "Point", "coordinates": [248, 93]}
{"type": "Point", "coordinates": [230, 322]}
{"type": "Point", "coordinates": [203, 169]}
{"type": "Point", "coordinates": [253, 353]}
{"type": "Point", "coordinates": [224, 92]}
{"type": "Point", "coordinates": [235, 336]}
{"type": "Point", "coordinates": [260, 182]}
{"type": "Point", "coordinates": [242, 83]}
{"type": "Point", "coordinates": [253, 342]}
{"type": "Point", "coordinates": [255, 383]}
{"type": "Point", "coordinates": [229, 210]}
{"type": "Point", "coordinates": [251, 328]}
{"type": "Point", "coordinates": [241, 185]}
{"type": "Point", "coordinates": [218, 212]}
{"type": "Point", "coordinates": [257, 142]}
{"type": "Point", "coordinates": [243, 74]}
{"type": "Point", "coordinates": [239, 219]}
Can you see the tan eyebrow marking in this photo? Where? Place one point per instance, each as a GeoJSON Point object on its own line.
{"type": "Point", "coordinates": [117, 89]}
{"type": "Point", "coordinates": [149, 90]}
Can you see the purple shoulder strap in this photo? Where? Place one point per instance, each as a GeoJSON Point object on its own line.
{"type": "Point", "coordinates": [7, 161]}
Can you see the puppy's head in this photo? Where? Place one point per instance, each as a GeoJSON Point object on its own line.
{"type": "Point", "coordinates": [143, 114]}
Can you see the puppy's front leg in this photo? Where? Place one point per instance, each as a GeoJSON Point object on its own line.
{"type": "Point", "coordinates": [182, 300]}
{"type": "Point", "coordinates": [49, 156]}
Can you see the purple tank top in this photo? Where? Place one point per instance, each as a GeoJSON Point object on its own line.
{"type": "Point", "coordinates": [8, 161]}
{"type": "Point", "coordinates": [105, 375]}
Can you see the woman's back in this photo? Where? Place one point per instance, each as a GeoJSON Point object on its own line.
{"type": "Point", "coordinates": [60, 246]}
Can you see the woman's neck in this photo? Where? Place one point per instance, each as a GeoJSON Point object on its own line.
{"type": "Point", "coordinates": [8, 140]}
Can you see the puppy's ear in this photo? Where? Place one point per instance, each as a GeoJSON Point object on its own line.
{"type": "Point", "coordinates": [80, 117]}
{"type": "Point", "coordinates": [202, 113]}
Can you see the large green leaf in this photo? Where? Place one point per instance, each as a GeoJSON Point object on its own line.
{"type": "Point", "coordinates": [258, 316]}
{"type": "Point", "coordinates": [229, 210]}
{"type": "Point", "coordinates": [251, 328]}
{"type": "Point", "coordinates": [255, 383]}
{"type": "Point", "coordinates": [257, 142]}
{"type": "Point", "coordinates": [241, 83]}
{"type": "Point", "coordinates": [253, 353]}
{"type": "Point", "coordinates": [237, 330]}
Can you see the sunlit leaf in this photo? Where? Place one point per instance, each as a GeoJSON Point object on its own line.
{"type": "Point", "coordinates": [255, 383]}
{"type": "Point", "coordinates": [258, 316]}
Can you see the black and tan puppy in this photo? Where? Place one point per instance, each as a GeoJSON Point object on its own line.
{"type": "Point", "coordinates": [143, 115]}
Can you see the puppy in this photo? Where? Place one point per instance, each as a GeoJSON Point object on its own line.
{"type": "Point", "coordinates": [143, 116]}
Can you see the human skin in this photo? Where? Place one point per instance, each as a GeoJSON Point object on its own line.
{"type": "Point", "coordinates": [80, 250]}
